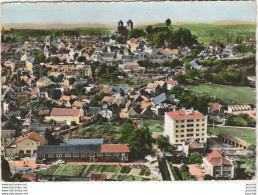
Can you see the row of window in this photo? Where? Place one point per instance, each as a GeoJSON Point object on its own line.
{"type": "Point", "coordinates": [77, 155]}
{"type": "Point", "coordinates": [190, 135]}
{"type": "Point", "coordinates": [188, 130]}
{"type": "Point", "coordinates": [189, 125]}
{"type": "Point", "coordinates": [192, 120]}
{"type": "Point", "coordinates": [26, 151]}
{"type": "Point", "coordinates": [182, 140]}
{"type": "Point", "coordinates": [32, 143]}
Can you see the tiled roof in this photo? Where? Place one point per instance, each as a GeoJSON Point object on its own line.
{"type": "Point", "coordinates": [133, 41]}
{"type": "Point", "coordinates": [114, 148]}
{"type": "Point", "coordinates": [182, 114]}
{"type": "Point", "coordinates": [216, 106]}
{"type": "Point", "coordinates": [110, 99]}
{"type": "Point", "coordinates": [171, 82]}
{"type": "Point", "coordinates": [233, 139]}
{"type": "Point", "coordinates": [146, 104]}
{"type": "Point", "coordinates": [78, 104]}
{"type": "Point", "coordinates": [33, 136]}
{"type": "Point", "coordinates": [216, 159]}
{"type": "Point", "coordinates": [152, 85]}
{"type": "Point", "coordinates": [34, 92]}
{"type": "Point", "coordinates": [67, 98]}
{"type": "Point", "coordinates": [192, 143]}
{"type": "Point", "coordinates": [128, 103]}
{"type": "Point", "coordinates": [64, 112]}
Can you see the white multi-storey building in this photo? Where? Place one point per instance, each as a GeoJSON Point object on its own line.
{"type": "Point", "coordinates": [183, 125]}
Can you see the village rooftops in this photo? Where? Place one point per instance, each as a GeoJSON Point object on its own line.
{"type": "Point", "coordinates": [33, 136]}
{"type": "Point", "coordinates": [183, 114]}
{"type": "Point", "coordinates": [65, 112]}
{"type": "Point", "coordinates": [110, 99]}
{"type": "Point", "coordinates": [216, 159]}
{"type": "Point", "coordinates": [114, 148]}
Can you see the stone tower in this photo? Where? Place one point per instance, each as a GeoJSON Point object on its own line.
{"type": "Point", "coordinates": [130, 24]}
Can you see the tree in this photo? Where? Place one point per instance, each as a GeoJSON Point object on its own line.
{"type": "Point", "coordinates": [41, 57]}
{"type": "Point", "coordinates": [164, 144]}
{"type": "Point", "coordinates": [139, 140]}
{"type": "Point", "coordinates": [6, 173]}
{"type": "Point", "coordinates": [119, 39]}
{"type": "Point", "coordinates": [149, 29]}
{"type": "Point", "coordinates": [80, 59]}
{"type": "Point", "coordinates": [168, 22]}
{"type": "Point", "coordinates": [136, 33]}
{"type": "Point", "coordinates": [207, 177]}
{"type": "Point", "coordinates": [195, 159]}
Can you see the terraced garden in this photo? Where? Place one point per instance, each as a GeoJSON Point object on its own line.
{"type": "Point", "coordinates": [112, 172]}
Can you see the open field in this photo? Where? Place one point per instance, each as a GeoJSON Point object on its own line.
{"type": "Point", "coordinates": [153, 125]}
{"type": "Point", "coordinates": [241, 95]}
{"type": "Point", "coordinates": [218, 31]}
{"type": "Point", "coordinates": [248, 135]}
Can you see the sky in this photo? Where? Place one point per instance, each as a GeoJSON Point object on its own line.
{"type": "Point", "coordinates": [140, 12]}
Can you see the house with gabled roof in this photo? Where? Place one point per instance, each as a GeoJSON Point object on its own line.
{"type": "Point", "coordinates": [26, 145]}
{"type": "Point", "coordinates": [218, 166]}
{"type": "Point", "coordinates": [66, 115]}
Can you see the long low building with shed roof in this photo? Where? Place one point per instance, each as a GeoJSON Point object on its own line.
{"type": "Point", "coordinates": [91, 150]}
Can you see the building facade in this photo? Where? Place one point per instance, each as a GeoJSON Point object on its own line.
{"type": "Point", "coordinates": [218, 166]}
{"type": "Point", "coordinates": [83, 153]}
{"type": "Point", "coordinates": [183, 125]}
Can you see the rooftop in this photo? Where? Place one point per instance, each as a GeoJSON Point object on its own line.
{"type": "Point", "coordinates": [65, 112]}
{"type": "Point", "coordinates": [33, 136]}
{"type": "Point", "coordinates": [182, 114]}
{"type": "Point", "coordinates": [114, 148]}
{"type": "Point", "coordinates": [84, 141]}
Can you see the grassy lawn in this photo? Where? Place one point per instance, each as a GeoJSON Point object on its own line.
{"type": "Point", "coordinates": [125, 82]}
{"type": "Point", "coordinates": [208, 32]}
{"type": "Point", "coordinates": [69, 170]}
{"type": "Point", "coordinates": [248, 135]}
{"type": "Point", "coordinates": [241, 95]}
{"type": "Point", "coordinates": [96, 130]}
{"type": "Point", "coordinates": [155, 126]}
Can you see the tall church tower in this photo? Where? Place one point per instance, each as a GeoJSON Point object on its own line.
{"type": "Point", "coordinates": [130, 24]}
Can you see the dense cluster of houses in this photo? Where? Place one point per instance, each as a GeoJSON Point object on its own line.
{"type": "Point", "coordinates": [39, 99]}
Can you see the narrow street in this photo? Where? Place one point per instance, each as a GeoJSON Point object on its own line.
{"type": "Point", "coordinates": [162, 164]}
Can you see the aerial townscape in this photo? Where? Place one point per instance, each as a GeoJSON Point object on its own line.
{"type": "Point", "coordinates": [138, 103]}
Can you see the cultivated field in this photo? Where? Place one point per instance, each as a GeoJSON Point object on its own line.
{"type": "Point", "coordinates": [241, 95]}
